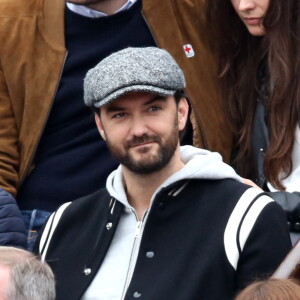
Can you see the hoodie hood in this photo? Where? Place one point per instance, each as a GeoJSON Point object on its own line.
{"type": "Point", "coordinates": [199, 164]}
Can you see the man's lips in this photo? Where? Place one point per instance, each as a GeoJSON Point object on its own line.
{"type": "Point", "coordinates": [141, 144]}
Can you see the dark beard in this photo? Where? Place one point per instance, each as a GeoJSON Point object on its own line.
{"type": "Point", "coordinates": [152, 165]}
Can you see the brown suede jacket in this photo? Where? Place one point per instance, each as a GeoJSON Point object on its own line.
{"type": "Point", "coordinates": [32, 55]}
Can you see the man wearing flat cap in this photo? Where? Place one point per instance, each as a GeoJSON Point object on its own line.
{"type": "Point", "coordinates": [173, 222]}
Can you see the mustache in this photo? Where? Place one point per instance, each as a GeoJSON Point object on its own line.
{"type": "Point", "coordinates": [145, 138]}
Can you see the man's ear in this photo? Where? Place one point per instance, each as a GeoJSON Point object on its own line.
{"type": "Point", "coordinates": [183, 111]}
{"type": "Point", "coordinates": [99, 126]}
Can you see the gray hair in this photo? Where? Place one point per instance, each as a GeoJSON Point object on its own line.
{"type": "Point", "coordinates": [30, 279]}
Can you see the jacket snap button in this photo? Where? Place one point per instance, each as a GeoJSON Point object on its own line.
{"type": "Point", "coordinates": [87, 271]}
{"type": "Point", "coordinates": [150, 254]}
{"type": "Point", "coordinates": [137, 295]}
{"type": "Point", "coordinates": [109, 226]}
{"type": "Point", "coordinates": [261, 149]}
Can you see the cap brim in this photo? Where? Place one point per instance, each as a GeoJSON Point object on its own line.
{"type": "Point", "coordinates": [131, 89]}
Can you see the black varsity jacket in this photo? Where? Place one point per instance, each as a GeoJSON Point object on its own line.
{"type": "Point", "coordinates": [210, 240]}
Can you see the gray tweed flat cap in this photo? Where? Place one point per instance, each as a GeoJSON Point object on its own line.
{"type": "Point", "coordinates": [148, 69]}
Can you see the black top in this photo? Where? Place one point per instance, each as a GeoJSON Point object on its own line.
{"type": "Point", "coordinates": [72, 160]}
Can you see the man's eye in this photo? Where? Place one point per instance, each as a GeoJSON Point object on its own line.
{"type": "Point", "coordinates": [119, 115]}
{"type": "Point", "coordinates": [154, 108]}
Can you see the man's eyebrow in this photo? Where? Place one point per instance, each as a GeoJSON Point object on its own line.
{"type": "Point", "coordinates": [116, 108]}
{"type": "Point", "coordinates": [156, 98]}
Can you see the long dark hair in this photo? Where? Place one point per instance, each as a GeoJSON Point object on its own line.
{"type": "Point", "coordinates": [240, 56]}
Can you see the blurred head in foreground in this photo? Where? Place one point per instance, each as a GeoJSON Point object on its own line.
{"type": "Point", "coordinates": [24, 277]}
{"type": "Point", "coordinates": [272, 289]}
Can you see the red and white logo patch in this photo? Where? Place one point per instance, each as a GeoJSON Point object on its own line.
{"type": "Point", "coordinates": [188, 50]}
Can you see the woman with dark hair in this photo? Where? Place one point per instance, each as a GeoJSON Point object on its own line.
{"type": "Point", "coordinates": [257, 43]}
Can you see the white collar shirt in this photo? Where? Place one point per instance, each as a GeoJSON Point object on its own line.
{"type": "Point", "coordinates": [91, 13]}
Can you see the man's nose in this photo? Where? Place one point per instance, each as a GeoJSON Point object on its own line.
{"type": "Point", "coordinates": [138, 126]}
{"type": "Point", "coordinates": [246, 5]}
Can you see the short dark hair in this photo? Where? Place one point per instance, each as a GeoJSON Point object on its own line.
{"type": "Point", "coordinates": [179, 94]}
{"type": "Point", "coordinates": [185, 135]}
